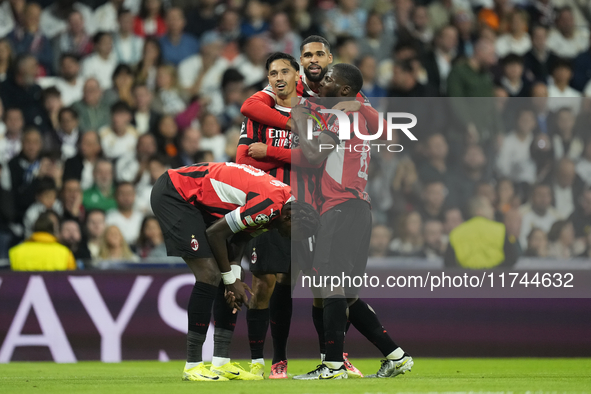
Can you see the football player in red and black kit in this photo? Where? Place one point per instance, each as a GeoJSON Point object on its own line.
{"type": "Point", "coordinates": [271, 150]}
{"type": "Point", "coordinates": [207, 213]}
{"type": "Point", "coordinates": [342, 241]}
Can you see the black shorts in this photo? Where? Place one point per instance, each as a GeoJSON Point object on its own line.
{"type": "Point", "coordinates": [269, 253]}
{"type": "Point", "coordinates": [342, 241]}
{"type": "Point", "coordinates": [183, 225]}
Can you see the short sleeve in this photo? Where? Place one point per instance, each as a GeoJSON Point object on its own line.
{"type": "Point", "coordinates": [256, 214]}
{"type": "Point", "coordinates": [249, 132]}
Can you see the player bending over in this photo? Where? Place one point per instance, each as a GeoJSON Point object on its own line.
{"type": "Point", "coordinates": [207, 213]}
{"type": "Point", "coordinates": [342, 246]}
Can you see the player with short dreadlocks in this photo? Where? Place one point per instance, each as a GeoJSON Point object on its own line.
{"type": "Point", "coordinates": [207, 212]}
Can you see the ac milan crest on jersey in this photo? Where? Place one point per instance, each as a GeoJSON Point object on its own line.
{"type": "Point", "coordinates": [194, 243]}
{"type": "Point", "coordinates": [253, 256]}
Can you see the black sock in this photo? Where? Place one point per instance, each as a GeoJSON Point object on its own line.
{"type": "Point", "coordinates": [199, 314]}
{"type": "Point", "coordinates": [367, 323]}
{"type": "Point", "coordinates": [335, 322]}
{"type": "Point", "coordinates": [225, 322]}
{"type": "Point", "coordinates": [280, 307]}
{"type": "Point", "coordinates": [318, 318]}
{"type": "Point", "coordinates": [258, 323]}
{"type": "Point", "coordinates": [347, 326]}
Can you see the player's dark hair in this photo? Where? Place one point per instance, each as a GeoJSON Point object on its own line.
{"type": "Point", "coordinates": [282, 56]}
{"type": "Point", "coordinates": [319, 39]}
{"type": "Point", "coordinates": [304, 217]}
{"type": "Point", "coordinates": [351, 75]}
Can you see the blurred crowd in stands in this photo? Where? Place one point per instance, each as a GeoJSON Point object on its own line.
{"type": "Point", "coordinates": [98, 99]}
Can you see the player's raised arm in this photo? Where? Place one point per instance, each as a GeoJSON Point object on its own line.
{"type": "Point", "coordinates": [315, 150]}
{"type": "Point", "coordinates": [259, 107]}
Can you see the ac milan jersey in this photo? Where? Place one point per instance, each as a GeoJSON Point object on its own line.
{"type": "Point", "coordinates": [302, 180]}
{"type": "Point", "coordinates": [344, 175]}
{"type": "Point", "coordinates": [248, 197]}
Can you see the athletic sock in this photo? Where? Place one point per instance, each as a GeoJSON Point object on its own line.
{"type": "Point", "coordinates": [225, 322]}
{"type": "Point", "coordinates": [258, 360]}
{"type": "Point", "coordinates": [257, 321]}
{"type": "Point", "coordinates": [367, 323]}
{"type": "Point", "coordinates": [280, 309]}
{"type": "Point", "coordinates": [396, 354]}
{"type": "Point", "coordinates": [189, 365]}
{"type": "Point", "coordinates": [199, 315]}
{"type": "Point", "coordinates": [335, 322]}
{"type": "Point", "coordinates": [318, 318]}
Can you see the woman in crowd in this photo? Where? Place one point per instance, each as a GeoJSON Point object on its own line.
{"type": "Point", "coordinates": [150, 20]}
{"type": "Point", "coordinates": [150, 243]}
{"type": "Point", "coordinates": [562, 240]}
{"type": "Point", "coordinates": [95, 229]}
{"type": "Point", "coordinates": [537, 244]}
{"type": "Point", "coordinates": [122, 89]}
{"type": "Point", "coordinates": [169, 98]}
{"type": "Point", "coordinates": [409, 241]}
{"type": "Point", "coordinates": [145, 73]}
{"type": "Point", "coordinates": [114, 247]}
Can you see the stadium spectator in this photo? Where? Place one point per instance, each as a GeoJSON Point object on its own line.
{"type": "Point", "coordinates": [9, 15]}
{"type": "Point", "coordinates": [229, 28]}
{"type": "Point", "coordinates": [71, 237]}
{"type": "Point", "coordinates": [74, 40]}
{"type": "Point", "coordinates": [52, 103]}
{"type": "Point", "coordinates": [254, 18]}
{"type": "Point", "coordinates": [453, 218]}
{"type": "Point", "coordinates": [512, 220]}
{"type": "Point", "coordinates": [409, 239]}
{"type": "Point", "coordinates": [542, 154]}
{"type": "Point", "coordinates": [70, 84]}
{"type": "Point", "coordinates": [94, 230]}
{"type": "Point", "coordinates": [512, 79]}
{"type": "Point", "coordinates": [203, 16]}
{"type": "Point", "coordinates": [587, 252]}
{"type": "Point", "coordinates": [167, 137]}
{"type": "Point", "coordinates": [101, 194]}
{"type": "Point", "coordinates": [150, 243]}
{"type": "Point", "coordinates": [24, 168]}
{"type": "Point", "coordinates": [127, 45]}
{"type": "Point", "coordinates": [201, 74]}
{"type": "Point", "coordinates": [544, 117]}
{"type": "Point", "coordinates": [280, 36]}
{"type": "Point", "coordinates": [212, 138]}
{"type": "Point", "coordinates": [346, 49]}
{"type": "Point", "coordinates": [133, 167]}
{"type": "Point", "coordinates": [565, 142]}
{"type": "Point", "coordinates": [150, 20]}
{"type": "Point", "coordinates": [120, 137]}
{"type": "Point", "coordinates": [539, 60]}
{"type": "Point", "coordinates": [566, 39]}
{"type": "Point", "coordinates": [539, 212]}
{"type": "Point", "coordinates": [6, 217]}
{"type": "Point", "coordinates": [251, 63]}
{"type": "Point", "coordinates": [473, 170]}
{"type": "Point", "coordinates": [433, 198]}
{"type": "Point", "coordinates": [126, 217]}
{"type": "Point", "coordinates": [157, 165]}
{"type": "Point", "coordinates": [177, 45]}
{"type": "Point", "coordinates": [581, 217]}
{"type": "Point", "coordinates": [463, 20]}
{"type": "Point", "coordinates": [42, 251]}
{"type": "Point", "coordinates": [562, 240]}
{"type": "Point", "coordinates": [542, 12]}
{"type": "Point", "coordinates": [169, 100]}
{"type": "Point", "coordinates": [537, 244]}
{"type": "Point", "coordinates": [45, 199]}
{"type": "Point", "coordinates": [480, 242]}
{"type": "Point", "coordinates": [64, 139]}
{"type": "Point", "coordinates": [438, 62]}
{"type": "Point", "coordinates": [559, 92]}
{"type": "Point", "coordinates": [381, 236]}
{"type": "Point", "coordinates": [516, 40]}
{"type": "Point", "coordinates": [11, 141]}
{"type": "Point", "coordinates": [406, 192]}
{"type": "Point", "coordinates": [347, 17]}
{"type": "Point", "coordinates": [405, 83]}
{"type": "Point", "coordinates": [105, 16]}
{"type": "Point", "coordinates": [227, 103]}
{"type": "Point", "coordinates": [21, 91]}
{"type": "Point", "coordinates": [435, 168]}
{"type": "Point", "coordinates": [507, 199]}
{"type": "Point", "coordinates": [122, 89]}
{"type": "Point", "coordinates": [55, 17]}
{"type": "Point", "coordinates": [584, 164]}
{"type": "Point", "coordinates": [376, 41]}
{"type": "Point", "coordinates": [102, 62]}
{"type": "Point", "coordinates": [81, 166]}
{"type": "Point", "coordinates": [6, 56]}
{"type": "Point", "coordinates": [514, 160]}
{"type": "Point", "coordinates": [93, 112]}
{"type": "Point", "coordinates": [435, 240]}
{"type": "Point", "coordinates": [188, 149]}
{"type": "Point", "coordinates": [114, 247]}
{"type": "Point", "coordinates": [145, 119]}
{"type": "Point", "coordinates": [147, 68]}
{"type": "Point", "coordinates": [27, 38]}
{"type": "Point", "coordinates": [71, 200]}
{"type": "Point", "coordinates": [368, 67]}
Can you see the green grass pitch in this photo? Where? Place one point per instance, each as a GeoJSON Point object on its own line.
{"type": "Point", "coordinates": [518, 375]}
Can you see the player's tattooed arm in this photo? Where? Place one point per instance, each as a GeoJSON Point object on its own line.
{"type": "Point", "coordinates": [218, 235]}
{"type": "Point", "coordinates": [316, 150]}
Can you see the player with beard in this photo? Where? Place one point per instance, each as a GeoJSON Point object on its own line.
{"type": "Point", "coordinates": [272, 150]}
{"type": "Point", "coordinates": [342, 241]}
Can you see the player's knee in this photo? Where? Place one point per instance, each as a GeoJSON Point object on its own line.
{"type": "Point", "coordinates": [284, 279]}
